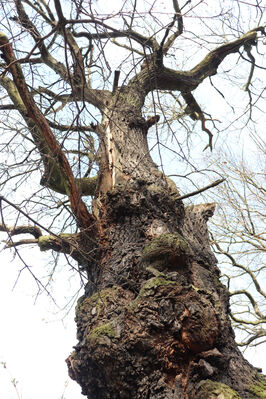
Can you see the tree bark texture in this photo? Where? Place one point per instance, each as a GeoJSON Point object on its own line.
{"type": "Point", "coordinates": [154, 321]}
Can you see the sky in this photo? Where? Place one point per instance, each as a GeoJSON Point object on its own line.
{"type": "Point", "coordinates": [35, 337]}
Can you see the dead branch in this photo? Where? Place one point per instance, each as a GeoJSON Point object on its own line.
{"type": "Point", "coordinates": [194, 111]}
{"type": "Point", "coordinates": [201, 189]}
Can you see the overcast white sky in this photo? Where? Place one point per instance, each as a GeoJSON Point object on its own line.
{"type": "Point", "coordinates": [34, 342]}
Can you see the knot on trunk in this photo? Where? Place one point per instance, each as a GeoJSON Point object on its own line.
{"type": "Point", "coordinates": [167, 250]}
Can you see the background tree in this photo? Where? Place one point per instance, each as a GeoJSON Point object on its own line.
{"type": "Point", "coordinates": [238, 234]}
{"type": "Point", "coordinates": [154, 320]}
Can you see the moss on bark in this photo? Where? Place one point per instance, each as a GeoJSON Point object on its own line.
{"type": "Point", "coordinates": [259, 388]}
{"type": "Point", "coordinates": [215, 390]}
{"type": "Point", "coordinates": [166, 249]}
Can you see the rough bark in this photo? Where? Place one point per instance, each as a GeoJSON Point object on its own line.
{"type": "Point", "coordinates": [154, 321]}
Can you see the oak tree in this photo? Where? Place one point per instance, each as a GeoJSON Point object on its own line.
{"type": "Point", "coordinates": [78, 82]}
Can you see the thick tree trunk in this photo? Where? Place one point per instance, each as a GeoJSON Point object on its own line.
{"type": "Point", "coordinates": [153, 322]}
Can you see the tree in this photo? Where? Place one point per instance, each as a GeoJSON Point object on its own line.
{"type": "Point", "coordinates": [154, 319]}
{"type": "Point", "coordinates": [238, 236]}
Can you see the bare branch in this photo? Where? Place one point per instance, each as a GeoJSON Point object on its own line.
{"type": "Point", "coordinates": [93, 96]}
{"type": "Point", "coordinates": [65, 243]}
{"type": "Point", "coordinates": [33, 230]}
{"type": "Point", "coordinates": [116, 79]}
{"type": "Point", "coordinates": [128, 48]}
{"type": "Point", "coordinates": [195, 112]}
{"type": "Point", "coordinates": [178, 16]}
{"type": "Point", "coordinates": [37, 7]}
{"type": "Point", "coordinates": [257, 335]}
{"type": "Point", "coordinates": [247, 48]}
{"type": "Point", "coordinates": [13, 244]}
{"type": "Point", "coordinates": [113, 33]}
{"type": "Point", "coordinates": [7, 107]}
{"type": "Point", "coordinates": [246, 270]}
{"type": "Point", "coordinates": [66, 174]}
{"type": "Point", "coordinates": [67, 128]}
{"type": "Point", "coordinates": [186, 81]}
{"type": "Point", "coordinates": [201, 190]}
{"type": "Point", "coordinates": [26, 60]}
{"type": "Point", "coordinates": [78, 74]}
{"type": "Point", "coordinates": [252, 301]}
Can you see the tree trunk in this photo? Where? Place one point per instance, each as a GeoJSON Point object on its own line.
{"type": "Point", "coordinates": [153, 322]}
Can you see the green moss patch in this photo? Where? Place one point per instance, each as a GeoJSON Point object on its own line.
{"type": "Point", "coordinates": [259, 388]}
{"type": "Point", "coordinates": [99, 299]}
{"type": "Point", "coordinates": [169, 248]}
{"type": "Point", "coordinates": [107, 329]}
{"type": "Point", "coordinates": [212, 390]}
{"type": "Point", "coordinates": [104, 333]}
